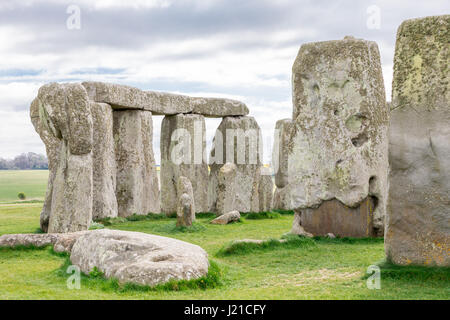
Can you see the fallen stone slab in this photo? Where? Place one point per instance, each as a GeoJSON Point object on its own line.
{"type": "Point", "coordinates": [62, 242]}
{"type": "Point", "coordinates": [140, 258]}
{"type": "Point", "coordinates": [226, 218]}
{"type": "Point", "coordinates": [161, 103]}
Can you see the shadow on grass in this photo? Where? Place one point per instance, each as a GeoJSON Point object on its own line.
{"type": "Point", "coordinates": [412, 272]}
{"type": "Point", "coordinates": [288, 241]}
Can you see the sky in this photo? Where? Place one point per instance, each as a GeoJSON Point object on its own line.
{"type": "Point", "coordinates": [241, 49]}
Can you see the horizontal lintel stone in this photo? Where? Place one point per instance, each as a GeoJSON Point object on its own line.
{"type": "Point", "coordinates": [161, 103]}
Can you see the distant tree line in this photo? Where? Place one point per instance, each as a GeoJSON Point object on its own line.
{"type": "Point", "coordinates": [25, 161]}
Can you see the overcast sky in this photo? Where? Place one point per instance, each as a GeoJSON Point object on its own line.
{"type": "Point", "coordinates": [228, 48]}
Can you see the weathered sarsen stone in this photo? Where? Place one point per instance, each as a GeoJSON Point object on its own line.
{"type": "Point", "coordinates": [52, 148]}
{"type": "Point", "coordinates": [104, 200]}
{"type": "Point", "coordinates": [226, 189]}
{"type": "Point", "coordinates": [137, 189]}
{"type": "Point", "coordinates": [237, 140]}
{"type": "Point", "coordinates": [226, 218]}
{"type": "Point", "coordinates": [134, 257]}
{"type": "Point", "coordinates": [161, 103]}
{"type": "Point", "coordinates": [418, 222]}
{"type": "Point", "coordinates": [183, 153]}
{"type": "Point", "coordinates": [338, 146]}
{"type": "Point", "coordinates": [65, 114]}
{"type": "Point", "coordinates": [186, 204]}
{"type": "Point", "coordinates": [280, 152]}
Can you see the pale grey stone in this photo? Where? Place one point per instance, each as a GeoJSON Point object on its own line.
{"type": "Point", "coordinates": [183, 153]}
{"type": "Point", "coordinates": [52, 148]}
{"type": "Point", "coordinates": [226, 218]}
{"type": "Point", "coordinates": [137, 189]}
{"type": "Point", "coordinates": [265, 191]}
{"type": "Point", "coordinates": [237, 140]}
{"type": "Point", "coordinates": [72, 193]}
{"type": "Point", "coordinates": [185, 210]}
{"type": "Point", "coordinates": [186, 203]}
{"type": "Point", "coordinates": [418, 222]}
{"type": "Point", "coordinates": [65, 116]}
{"type": "Point", "coordinates": [280, 152]}
{"type": "Point", "coordinates": [61, 242]}
{"type": "Point", "coordinates": [339, 145]}
{"type": "Point", "coordinates": [133, 257]}
{"type": "Point", "coordinates": [226, 188]}
{"type": "Point", "coordinates": [160, 103]}
{"type": "Point", "coordinates": [104, 163]}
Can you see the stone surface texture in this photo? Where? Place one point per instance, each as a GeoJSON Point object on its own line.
{"type": "Point", "coordinates": [65, 120]}
{"type": "Point", "coordinates": [339, 145]}
{"type": "Point", "coordinates": [183, 153]}
{"type": "Point", "coordinates": [137, 189]}
{"type": "Point", "coordinates": [140, 258]}
{"type": "Point", "coordinates": [160, 103]}
{"type": "Point", "coordinates": [104, 202]}
{"type": "Point", "coordinates": [418, 222]}
{"type": "Point", "coordinates": [237, 140]}
{"type": "Point", "coordinates": [186, 203]}
{"type": "Point", "coordinates": [228, 217]}
{"type": "Point", "coordinates": [226, 188]}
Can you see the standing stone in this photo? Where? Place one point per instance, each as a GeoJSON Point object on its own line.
{"type": "Point", "coordinates": [339, 147]}
{"type": "Point", "coordinates": [265, 190]}
{"type": "Point", "coordinates": [65, 114]}
{"type": "Point", "coordinates": [281, 196]}
{"type": "Point", "coordinates": [183, 153]}
{"type": "Point", "coordinates": [226, 188]}
{"type": "Point", "coordinates": [237, 140]}
{"type": "Point", "coordinates": [104, 163]}
{"type": "Point", "coordinates": [137, 188]}
{"type": "Point", "coordinates": [418, 221]}
{"type": "Point", "coordinates": [186, 204]}
{"type": "Point", "coordinates": [52, 148]}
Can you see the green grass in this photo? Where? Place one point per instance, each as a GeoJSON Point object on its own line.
{"type": "Point", "coordinates": [301, 268]}
{"type": "Point", "coordinates": [31, 182]}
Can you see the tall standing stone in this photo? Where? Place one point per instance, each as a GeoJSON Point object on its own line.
{"type": "Point", "coordinates": [281, 197]}
{"type": "Point", "coordinates": [338, 149]}
{"type": "Point", "coordinates": [137, 189]}
{"type": "Point", "coordinates": [65, 114]}
{"type": "Point", "coordinates": [183, 153]}
{"type": "Point", "coordinates": [418, 222]}
{"type": "Point", "coordinates": [238, 141]}
{"type": "Point", "coordinates": [104, 163]}
{"type": "Point", "coordinates": [186, 203]}
{"type": "Point", "coordinates": [265, 190]}
{"type": "Point", "coordinates": [52, 148]}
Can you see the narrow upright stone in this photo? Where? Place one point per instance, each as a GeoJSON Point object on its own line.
{"type": "Point", "coordinates": [52, 148]}
{"type": "Point", "coordinates": [226, 188]}
{"type": "Point", "coordinates": [418, 222]}
{"type": "Point", "coordinates": [183, 153]}
{"type": "Point", "coordinates": [186, 203]}
{"type": "Point", "coordinates": [104, 163]}
{"type": "Point", "coordinates": [338, 145]}
{"type": "Point", "coordinates": [137, 188]}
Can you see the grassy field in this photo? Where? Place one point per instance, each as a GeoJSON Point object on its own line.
{"type": "Point", "coordinates": [312, 269]}
{"type": "Point", "coordinates": [32, 182]}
